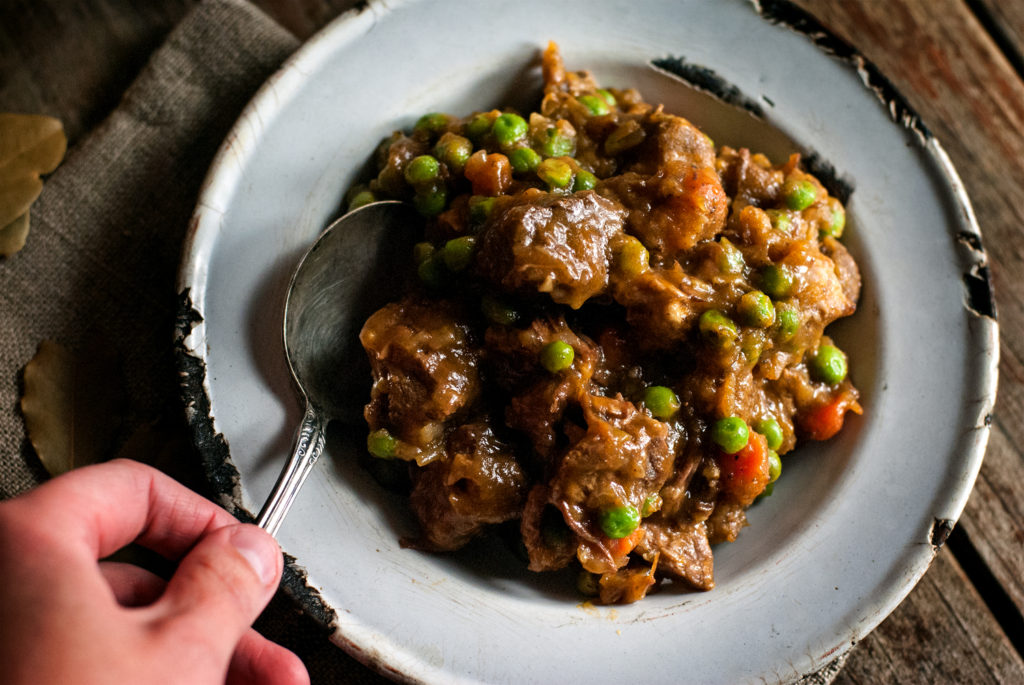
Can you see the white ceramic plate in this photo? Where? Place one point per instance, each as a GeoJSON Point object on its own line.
{"type": "Point", "coordinates": [853, 523]}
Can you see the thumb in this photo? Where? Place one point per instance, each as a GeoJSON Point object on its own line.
{"type": "Point", "coordinates": [220, 587]}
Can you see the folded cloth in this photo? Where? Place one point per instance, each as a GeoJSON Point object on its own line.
{"type": "Point", "coordinates": [100, 262]}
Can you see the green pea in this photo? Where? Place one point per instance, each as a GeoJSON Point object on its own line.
{"type": "Point", "coordinates": [595, 104]}
{"type": "Point", "coordinates": [584, 181]}
{"type": "Point", "coordinates": [837, 219]}
{"type": "Point", "coordinates": [652, 503]}
{"type": "Point", "coordinates": [363, 197]}
{"type": "Point", "coordinates": [508, 129]}
{"type": "Point", "coordinates": [717, 328]}
{"type": "Point", "coordinates": [774, 466]}
{"type": "Point", "coordinates": [479, 126]}
{"type": "Point", "coordinates": [431, 202]}
{"type": "Point", "coordinates": [431, 271]}
{"type": "Point", "coordinates": [799, 194]}
{"type": "Point", "coordinates": [422, 252]}
{"type": "Point", "coordinates": [777, 280]}
{"type": "Point", "coordinates": [453, 150]}
{"type": "Point", "coordinates": [555, 172]}
{"type": "Point", "coordinates": [751, 346]}
{"type": "Point", "coordinates": [756, 309]}
{"type": "Point", "coordinates": [619, 522]}
{"type": "Point", "coordinates": [780, 219]}
{"type": "Point", "coordinates": [380, 443]}
{"type": "Point", "coordinates": [458, 252]}
{"type": "Point", "coordinates": [553, 143]}
{"type": "Point", "coordinates": [730, 259]}
{"type": "Point", "coordinates": [480, 208]}
{"type": "Point", "coordinates": [588, 584]}
{"type": "Point", "coordinates": [632, 258]}
{"type": "Point", "coordinates": [422, 170]}
{"type": "Point", "coordinates": [607, 96]}
{"type": "Point", "coordinates": [557, 356]}
{"type": "Point", "coordinates": [497, 311]}
{"type": "Point", "coordinates": [524, 159]}
{"type": "Point", "coordinates": [829, 364]}
{"type": "Point", "coordinates": [661, 401]}
{"type": "Point", "coordinates": [788, 319]}
{"type": "Point", "coordinates": [772, 432]}
{"type": "Point", "coordinates": [432, 123]}
{"type": "Point", "coordinates": [731, 434]}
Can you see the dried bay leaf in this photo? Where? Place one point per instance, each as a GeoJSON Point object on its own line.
{"type": "Point", "coordinates": [30, 145]}
{"type": "Point", "coordinates": [72, 406]}
{"type": "Point", "coordinates": [13, 235]}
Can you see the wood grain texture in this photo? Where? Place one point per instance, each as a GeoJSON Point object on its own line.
{"type": "Point", "coordinates": [1006, 21]}
{"type": "Point", "coordinates": [936, 636]}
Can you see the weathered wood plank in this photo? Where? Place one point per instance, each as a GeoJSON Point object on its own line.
{"type": "Point", "coordinates": [942, 633]}
{"type": "Point", "coordinates": [1007, 21]}
{"type": "Point", "coordinates": [954, 75]}
{"type": "Point", "coordinates": [994, 514]}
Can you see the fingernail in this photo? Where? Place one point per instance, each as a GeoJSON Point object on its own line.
{"type": "Point", "coordinates": [259, 550]}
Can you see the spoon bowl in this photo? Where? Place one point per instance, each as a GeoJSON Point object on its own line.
{"type": "Point", "coordinates": [347, 274]}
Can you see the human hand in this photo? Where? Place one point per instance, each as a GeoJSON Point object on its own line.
{"type": "Point", "coordinates": [65, 618]}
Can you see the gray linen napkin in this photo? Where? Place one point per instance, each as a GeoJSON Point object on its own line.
{"type": "Point", "coordinates": [101, 259]}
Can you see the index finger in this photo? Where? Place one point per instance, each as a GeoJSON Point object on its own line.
{"type": "Point", "coordinates": [109, 505]}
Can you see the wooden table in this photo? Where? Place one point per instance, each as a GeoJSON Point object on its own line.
{"type": "Point", "coordinates": [960, 63]}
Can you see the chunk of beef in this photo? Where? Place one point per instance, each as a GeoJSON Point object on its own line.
{"type": "Point", "coordinates": [819, 288]}
{"type": "Point", "coordinates": [749, 179]}
{"type": "Point", "coordinates": [620, 458]}
{"type": "Point", "coordinates": [682, 549]}
{"type": "Point", "coordinates": [663, 304]}
{"type": "Point", "coordinates": [479, 482]}
{"type": "Point", "coordinates": [537, 398]}
{"type": "Point", "coordinates": [425, 371]}
{"type": "Point", "coordinates": [671, 140]}
{"type": "Point", "coordinates": [673, 209]}
{"type": "Point", "coordinates": [554, 244]}
{"type": "Point", "coordinates": [549, 544]}
{"type": "Point", "coordinates": [726, 521]}
{"type": "Point", "coordinates": [845, 267]}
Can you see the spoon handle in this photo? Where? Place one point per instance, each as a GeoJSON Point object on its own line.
{"type": "Point", "coordinates": [309, 443]}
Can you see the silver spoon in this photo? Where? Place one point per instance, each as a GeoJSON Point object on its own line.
{"type": "Point", "coordinates": [352, 269]}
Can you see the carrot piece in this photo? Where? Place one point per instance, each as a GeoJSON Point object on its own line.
{"type": "Point", "coordinates": [490, 174]}
{"type": "Point", "coordinates": [746, 474]}
{"type": "Point", "coordinates": [623, 546]}
{"type": "Point", "coordinates": [825, 421]}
